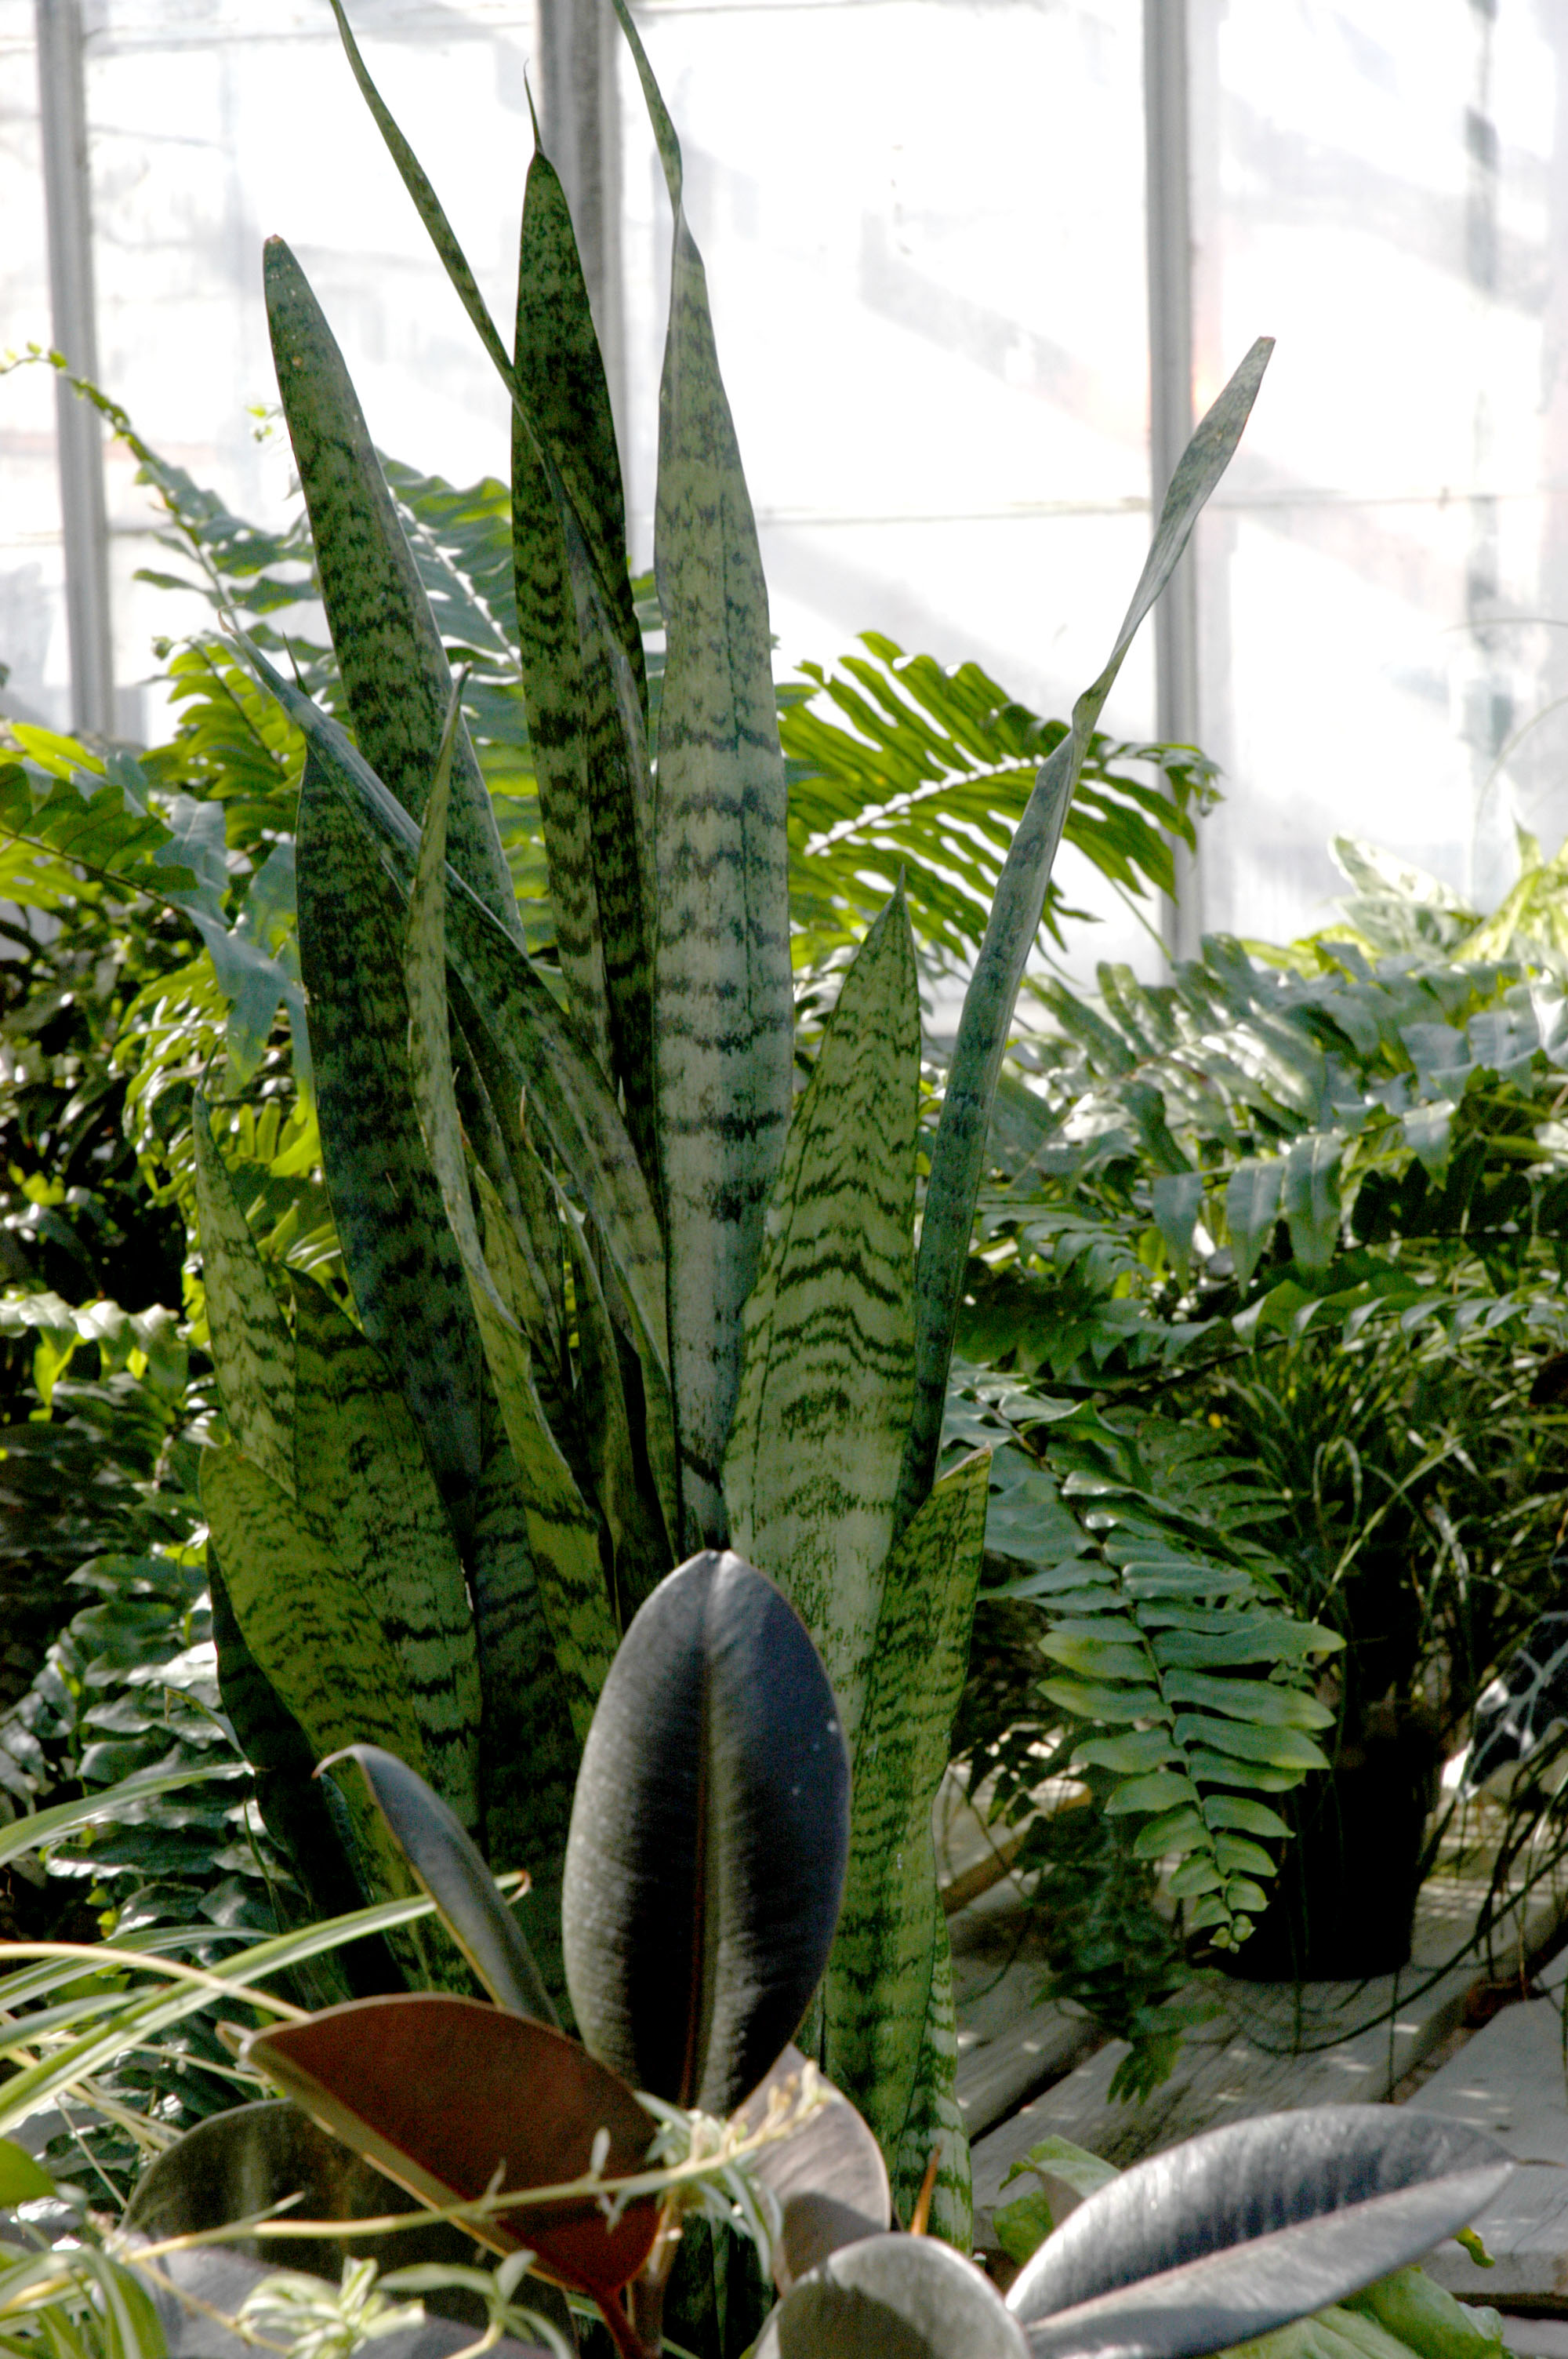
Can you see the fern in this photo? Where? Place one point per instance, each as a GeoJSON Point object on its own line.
{"type": "Point", "coordinates": [927, 783]}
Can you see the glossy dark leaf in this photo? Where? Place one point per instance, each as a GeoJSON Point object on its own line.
{"type": "Point", "coordinates": [709, 1832]}
{"type": "Point", "coordinates": [829, 2178]}
{"type": "Point", "coordinates": [440, 2093]}
{"type": "Point", "coordinates": [900, 2297]}
{"type": "Point", "coordinates": [1234, 2234]}
{"type": "Point", "coordinates": [447, 1863]}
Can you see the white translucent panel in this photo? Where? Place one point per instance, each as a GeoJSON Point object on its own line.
{"type": "Point", "coordinates": [923, 226]}
{"type": "Point", "coordinates": [1385, 586]}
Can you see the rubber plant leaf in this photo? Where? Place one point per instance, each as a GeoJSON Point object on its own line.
{"type": "Point", "coordinates": [901, 2297]}
{"type": "Point", "coordinates": [705, 1865]}
{"type": "Point", "coordinates": [828, 2176]}
{"type": "Point", "coordinates": [563, 1533]}
{"type": "Point", "coordinates": [1237, 2231]}
{"type": "Point", "coordinates": [390, 657]}
{"type": "Point", "coordinates": [526, 1031]}
{"type": "Point", "coordinates": [400, 1254]}
{"type": "Point", "coordinates": [253, 1349]}
{"type": "Point", "coordinates": [447, 2095]}
{"type": "Point", "coordinates": [445, 1863]}
{"type": "Point", "coordinates": [582, 658]}
{"type": "Point", "coordinates": [724, 1006]}
{"type": "Point", "coordinates": [957, 1157]}
{"type": "Point", "coordinates": [369, 1494]}
{"type": "Point", "coordinates": [829, 1339]}
{"type": "Point", "coordinates": [886, 1997]}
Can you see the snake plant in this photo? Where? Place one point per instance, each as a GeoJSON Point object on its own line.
{"type": "Point", "coordinates": [620, 1296]}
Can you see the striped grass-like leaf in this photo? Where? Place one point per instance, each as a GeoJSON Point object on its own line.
{"type": "Point", "coordinates": [527, 1036]}
{"type": "Point", "coordinates": [582, 657]}
{"type": "Point", "coordinates": [316, 1640]}
{"type": "Point", "coordinates": [888, 2036]}
{"type": "Point", "coordinates": [402, 1261]}
{"type": "Point", "coordinates": [133, 2020]}
{"type": "Point", "coordinates": [824, 1394]}
{"type": "Point", "coordinates": [363, 1479]}
{"type": "Point", "coordinates": [724, 1009]}
{"type": "Point", "coordinates": [394, 667]}
{"type": "Point", "coordinates": [563, 1535]}
{"type": "Point", "coordinates": [528, 1749]}
{"type": "Point", "coordinates": [957, 1157]}
{"type": "Point", "coordinates": [253, 1349]}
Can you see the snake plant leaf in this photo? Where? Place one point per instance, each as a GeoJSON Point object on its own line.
{"type": "Point", "coordinates": [638, 1526]}
{"type": "Point", "coordinates": [901, 2297]}
{"type": "Point", "coordinates": [445, 1863]}
{"type": "Point", "coordinates": [582, 657]}
{"type": "Point", "coordinates": [877, 1996]}
{"type": "Point", "coordinates": [709, 1835]}
{"type": "Point", "coordinates": [724, 1007]}
{"type": "Point", "coordinates": [1237, 2231]}
{"type": "Point", "coordinates": [531, 1039]}
{"type": "Point", "coordinates": [934, 2126]}
{"type": "Point", "coordinates": [253, 1349]}
{"type": "Point", "coordinates": [295, 1806]}
{"type": "Point", "coordinates": [828, 1375]}
{"type": "Point", "coordinates": [390, 657]}
{"type": "Point", "coordinates": [370, 1496]}
{"type": "Point", "coordinates": [563, 1535]}
{"type": "Point", "coordinates": [828, 2176]}
{"type": "Point", "coordinates": [314, 1638]}
{"type": "Point", "coordinates": [528, 1749]}
{"type": "Point", "coordinates": [447, 2095]}
{"type": "Point", "coordinates": [401, 1257]}
{"type": "Point", "coordinates": [957, 1157]}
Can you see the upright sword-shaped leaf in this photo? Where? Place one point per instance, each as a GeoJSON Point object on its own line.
{"type": "Point", "coordinates": [723, 1001]}
{"type": "Point", "coordinates": [394, 667]}
{"type": "Point", "coordinates": [818, 1436]}
{"type": "Point", "coordinates": [958, 1157]}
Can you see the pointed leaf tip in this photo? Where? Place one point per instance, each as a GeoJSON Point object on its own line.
{"type": "Point", "coordinates": [1236, 2233]}
{"type": "Point", "coordinates": [448, 1865]}
{"type": "Point", "coordinates": [709, 1831]}
{"type": "Point", "coordinates": [444, 2094]}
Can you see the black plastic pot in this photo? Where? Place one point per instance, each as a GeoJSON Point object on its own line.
{"type": "Point", "coordinates": [1343, 1906]}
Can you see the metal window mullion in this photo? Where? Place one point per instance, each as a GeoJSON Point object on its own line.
{"type": "Point", "coordinates": [1168, 208]}
{"type": "Point", "coordinates": [68, 200]}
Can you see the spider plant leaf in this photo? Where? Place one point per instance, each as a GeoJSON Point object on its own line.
{"type": "Point", "coordinates": [901, 2297]}
{"type": "Point", "coordinates": [23, 1834]}
{"type": "Point", "coordinates": [1240, 2231]}
{"type": "Point", "coordinates": [563, 1535]}
{"type": "Point", "coordinates": [444, 2094]}
{"type": "Point", "coordinates": [401, 1257]}
{"type": "Point", "coordinates": [957, 1157]}
{"type": "Point", "coordinates": [393, 667]}
{"type": "Point", "coordinates": [446, 1865]}
{"type": "Point", "coordinates": [528, 1035]}
{"type": "Point", "coordinates": [827, 2176]}
{"type": "Point", "coordinates": [724, 1008]}
{"type": "Point", "coordinates": [708, 1836]}
{"type": "Point", "coordinates": [878, 1992]}
{"type": "Point", "coordinates": [253, 1349]}
{"type": "Point", "coordinates": [828, 1374]}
